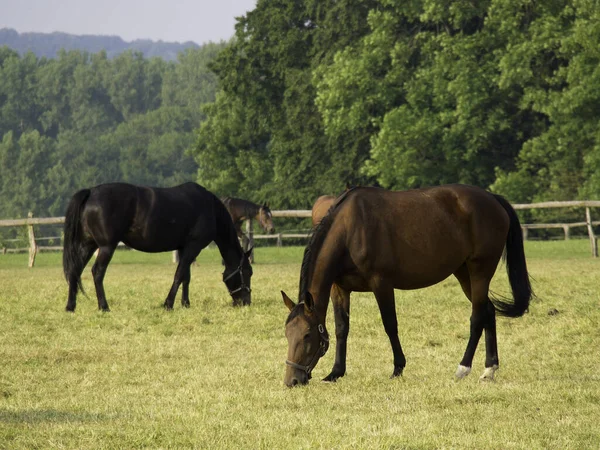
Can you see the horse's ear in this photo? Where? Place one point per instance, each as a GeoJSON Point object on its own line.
{"type": "Point", "coordinates": [288, 301]}
{"type": "Point", "coordinates": [309, 303]}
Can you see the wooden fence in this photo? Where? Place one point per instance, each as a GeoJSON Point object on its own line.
{"type": "Point", "coordinates": [34, 248]}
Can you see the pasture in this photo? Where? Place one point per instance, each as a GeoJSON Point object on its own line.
{"type": "Point", "coordinates": [212, 376]}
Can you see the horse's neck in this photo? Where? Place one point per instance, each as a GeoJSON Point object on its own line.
{"type": "Point", "coordinates": [324, 271]}
{"type": "Point", "coordinates": [227, 242]}
{"type": "Point", "coordinates": [243, 210]}
{"type": "Point", "coordinates": [231, 253]}
{"type": "Point", "coordinates": [251, 211]}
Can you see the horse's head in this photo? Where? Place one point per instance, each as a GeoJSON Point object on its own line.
{"type": "Point", "coordinates": [238, 278]}
{"type": "Point", "coordinates": [307, 340]}
{"type": "Point", "coordinates": [266, 218]}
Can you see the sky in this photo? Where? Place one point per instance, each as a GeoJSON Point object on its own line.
{"type": "Point", "coordinates": [199, 21]}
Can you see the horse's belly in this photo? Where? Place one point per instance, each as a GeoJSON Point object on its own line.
{"type": "Point", "coordinates": [418, 273]}
{"type": "Point", "coordinates": [150, 246]}
{"type": "Point", "coordinates": [408, 281]}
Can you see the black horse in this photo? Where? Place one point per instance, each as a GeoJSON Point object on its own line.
{"type": "Point", "coordinates": [185, 218]}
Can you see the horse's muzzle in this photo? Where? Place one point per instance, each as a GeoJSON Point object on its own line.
{"type": "Point", "coordinates": [301, 380]}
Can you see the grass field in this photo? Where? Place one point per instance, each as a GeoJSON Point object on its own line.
{"type": "Point", "coordinates": [212, 376]}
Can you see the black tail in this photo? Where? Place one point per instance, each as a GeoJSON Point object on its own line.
{"type": "Point", "coordinates": [516, 266]}
{"type": "Point", "coordinates": [73, 257]}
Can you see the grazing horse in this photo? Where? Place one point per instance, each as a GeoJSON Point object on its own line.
{"type": "Point", "coordinates": [374, 240]}
{"type": "Point", "coordinates": [241, 210]}
{"type": "Point", "coordinates": [184, 218]}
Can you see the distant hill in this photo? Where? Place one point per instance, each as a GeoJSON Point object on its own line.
{"type": "Point", "coordinates": [48, 44]}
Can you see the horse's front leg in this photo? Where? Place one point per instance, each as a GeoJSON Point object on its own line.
{"type": "Point", "coordinates": [341, 310]}
{"type": "Point", "coordinates": [185, 294]}
{"type": "Point", "coordinates": [187, 255]}
{"type": "Point", "coordinates": [182, 275]}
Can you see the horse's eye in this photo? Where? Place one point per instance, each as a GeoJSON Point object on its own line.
{"type": "Point", "coordinates": [307, 337]}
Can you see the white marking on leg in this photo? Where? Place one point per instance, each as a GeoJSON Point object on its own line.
{"type": "Point", "coordinates": [488, 373]}
{"type": "Point", "coordinates": [462, 371]}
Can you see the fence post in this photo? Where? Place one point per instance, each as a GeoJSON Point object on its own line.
{"type": "Point", "coordinates": [249, 240]}
{"type": "Point", "coordinates": [32, 245]}
{"type": "Point", "coordinates": [593, 241]}
{"type": "Point", "coordinates": [567, 230]}
{"type": "Point", "coordinates": [525, 231]}
{"type": "Point", "coordinates": [279, 243]}
{"type": "Point", "coordinates": [175, 257]}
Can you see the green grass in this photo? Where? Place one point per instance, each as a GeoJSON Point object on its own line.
{"type": "Point", "coordinates": [212, 376]}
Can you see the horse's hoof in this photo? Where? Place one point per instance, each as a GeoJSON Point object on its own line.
{"type": "Point", "coordinates": [333, 377]}
{"type": "Point", "coordinates": [397, 372]}
{"type": "Point", "coordinates": [488, 374]}
{"type": "Point", "coordinates": [70, 309]}
{"type": "Point", "coordinates": [185, 305]}
{"type": "Point", "coordinates": [168, 307]}
{"type": "Point", "coordinates": [462, 371]}
{"type": "Point", "coordinates": [105, 310]}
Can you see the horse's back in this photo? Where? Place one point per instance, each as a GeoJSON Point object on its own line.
{"type": "Point", "coordinates": [240, 209]}
{"type": "Point", "coordinates": [321, 207]}
{"type": "Point", "coordinates": [151, 219]}
{"type": "Point", "coordinates": [455, 205]}
{"type": "Point", "coordinates": [420, 236]}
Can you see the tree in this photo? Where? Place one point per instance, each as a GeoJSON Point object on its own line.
{"type": "Point", "coordinates": [266, 115]}
{"type": "Point", "coordinates": [555, 62]}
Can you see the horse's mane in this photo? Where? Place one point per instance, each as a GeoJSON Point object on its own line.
{"type": "Point", "coordinates": [316, 242]}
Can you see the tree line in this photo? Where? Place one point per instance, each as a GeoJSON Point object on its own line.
{"type": "Point", "coordinates": [310, 95]}
{"type": "Point", "coordinates": [82, 119]}
{"type": "Point", "coordinates": [49, 44]}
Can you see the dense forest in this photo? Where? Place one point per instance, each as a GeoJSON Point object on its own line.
{"type": "Point", "coordinates": [48, 45]}
{"type": "Point", "coordinates": [501, 94]}
{"type": "Point", "coordinates": [312, 94]}
{"type": "Point", "coordinates": [83, 119]}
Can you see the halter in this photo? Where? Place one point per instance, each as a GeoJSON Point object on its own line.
{"type": "Point", "coordinates": [323, 346]}
{"type": "Point", "coordinates": [243, 286]}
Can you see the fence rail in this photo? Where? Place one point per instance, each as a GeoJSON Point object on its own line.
{"type": "Point", "coordinates": [33, 248]}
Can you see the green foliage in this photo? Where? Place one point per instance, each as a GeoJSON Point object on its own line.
{"type": "Point", "coordinates": [313, 95]}
{"type": "Point", "coordinates": [501, 94]}
{"type": "Point", "coordinates": [84, 119]}
{"type": "Point", "coordinates": [264, 136]}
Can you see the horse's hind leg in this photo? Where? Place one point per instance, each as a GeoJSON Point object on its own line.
{"type": "Point", "coordinates": [98, 272]}
{"type": "Point", "coordinates": [387, 307]}
{"type": "Point", "coordinates": [85, 252]}
{"type": "Point", "coordinates": [341, 310]}
{"type": "Point", "coordinates": [482, 317]}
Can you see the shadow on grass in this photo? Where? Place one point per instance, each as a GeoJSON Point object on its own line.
{"type": "Point", "coordinates": [32, 416]}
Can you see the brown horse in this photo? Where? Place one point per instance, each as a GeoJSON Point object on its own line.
{"type": "Point", "coordinates": [320, 208]}
{"type": "Point", "coordinates": [241, 210]}
{"type": "Point", "coordinates": [374, 240]}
